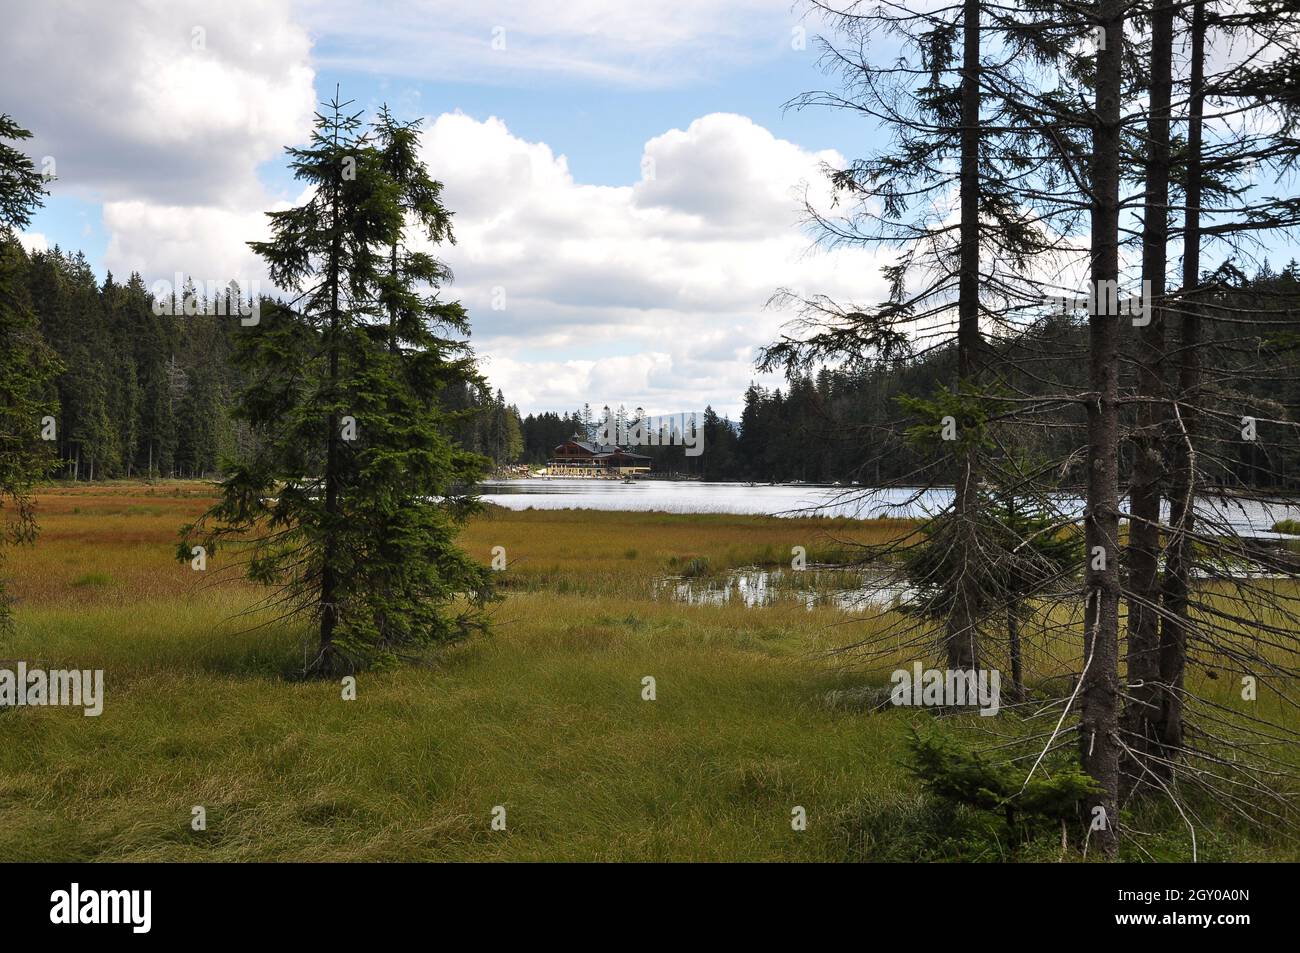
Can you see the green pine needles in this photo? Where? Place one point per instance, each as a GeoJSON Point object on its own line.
{"type": "Point", "coordinates": [28, 403]}
{"type": "Point", "coordinates": [351, 501]}
{"type": "Point", "coordinates": [1024, 801]}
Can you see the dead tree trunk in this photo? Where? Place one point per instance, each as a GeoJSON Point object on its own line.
{"type": "Point", "coordinates": [1178, 568]}
{"type": "Point", "coordinates": [1099, 692]}
{"type": "Point", "coordinates": [1142, 715]}
{"type": "Point", "coordinates": [961, 638]}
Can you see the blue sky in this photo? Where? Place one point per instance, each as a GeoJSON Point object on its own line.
{"type": "Point", "coordinates": [602, 130]}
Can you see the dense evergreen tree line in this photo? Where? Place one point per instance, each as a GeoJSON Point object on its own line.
{"type": "Point", "coordinates": [491, 426]}
{"type": "Point", "coordinates": [143, 394]}
{"type": "Point", "coordinates": [849, 425]}
{"type": "Point", "coordinates": [148, 394]}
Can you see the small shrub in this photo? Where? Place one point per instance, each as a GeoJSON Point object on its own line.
{"type": "Point", "coordinates": [965, 778]}
{"type": "Point", "coordinates": [699, 566]}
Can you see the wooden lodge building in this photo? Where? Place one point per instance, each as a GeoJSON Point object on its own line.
{"type": "Point", "coordinates": [582, 458]}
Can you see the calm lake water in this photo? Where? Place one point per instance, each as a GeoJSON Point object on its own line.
{"type": "Point", "coordinates": [793, 501]}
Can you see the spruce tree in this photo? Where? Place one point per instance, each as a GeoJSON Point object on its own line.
{"type": "Point", "coordinates": [27, 365]}
{"type": "Point", "coordinates": [351, 501]}
{"type": "Point", "coordinates": [22, 188]}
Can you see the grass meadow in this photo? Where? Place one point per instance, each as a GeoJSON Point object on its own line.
{"type": "Point", "coordinates": [543, 716]}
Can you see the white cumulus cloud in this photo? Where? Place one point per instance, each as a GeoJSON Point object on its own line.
{"type": "Point", "coordinates": [651, 294]}
{"type": "Point", "coordinates": [162, 111]}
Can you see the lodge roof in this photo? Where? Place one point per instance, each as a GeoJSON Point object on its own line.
{"type": "Point", "coordinates": [601, 449]}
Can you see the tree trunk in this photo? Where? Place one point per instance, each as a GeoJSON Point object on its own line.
{"type": "Point", "coordinates": [1018, 693]}
{"type": "Point", "coordinates": [1017, 667]}
{"type": "Point", "coordinates": [1143, 660]}
{"type": "Point", "coordinates": [1178, 567]}
{"type": "Point", "coordinates": [960, 637]}
{"type": "Point", "coordinates": [1099, 693]}
{"type": "Point", "coordinates": [329, 577]}
{"type": "Point", "coordinates": [392, 305]}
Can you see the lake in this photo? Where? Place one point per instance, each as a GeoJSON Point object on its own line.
{"type": "Point", "coordinates": [1248, 517]}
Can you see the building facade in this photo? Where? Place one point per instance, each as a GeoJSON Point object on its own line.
{"type": "Point", "coordinates": [583, 458]}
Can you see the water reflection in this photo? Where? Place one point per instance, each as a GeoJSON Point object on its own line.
{"type": "Point", "coordinates": [755, 587]}
{"type": "Point", "coordinates": [856, 590]}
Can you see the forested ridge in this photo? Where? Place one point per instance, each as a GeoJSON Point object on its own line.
{"type": "Point", "coordinates": [143, 393]}
{"type": "Point", "coordinates": [834, 425]}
